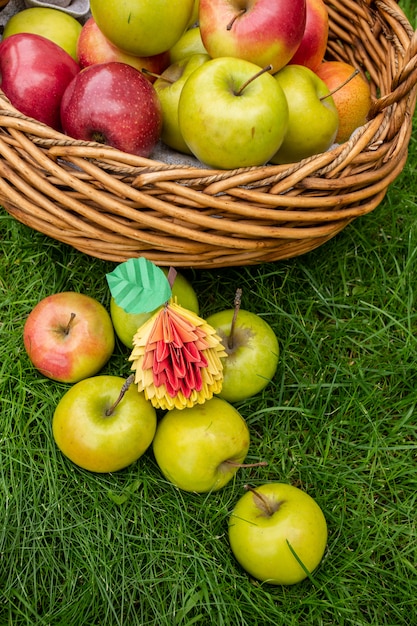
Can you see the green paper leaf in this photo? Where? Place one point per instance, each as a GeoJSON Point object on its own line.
{"type": "Point", "coordinates": [139, 286]}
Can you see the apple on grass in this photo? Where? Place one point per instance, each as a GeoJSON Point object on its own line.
{"type": "Point", "coordinates": [68, 336]}
{"type": "Point", "coordinates": [142, 28]}
{"type": "Point", "coordinates": [252, 352]}
{"type": "Point", "coordinates": [201, 448]}
{"type": "Point", "coordinates": [114, 104]}
{"type": "Point", "coordinates": [168, 87]}
{"type": "Point", "coordinates": [231, 114]}
{"type": "Point", "coordinates": [126, 324]}
{"type": "Point", "coordinates": [34, 73]}
{"type": "Point", "coordinates": [313, 44]}
{"type": "Point", "coordinates": [313, 119]}
{"type": "Point", "coordinates": [265, 32]}
{"type": "Point", "coordinates": [58, 26]}
{"type": "Point", "coordinates": [103, 424]}
{"type": "Point", "coordinates": [278, 533]}
{"type": "Point", "coordinates": [93, 47]}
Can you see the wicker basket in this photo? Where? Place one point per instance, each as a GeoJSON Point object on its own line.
{"type": "Point", "coordinates": [114, 206]}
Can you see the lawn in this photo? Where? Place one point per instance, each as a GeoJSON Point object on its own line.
{"type": "Point", "coordinates": [338, 421]}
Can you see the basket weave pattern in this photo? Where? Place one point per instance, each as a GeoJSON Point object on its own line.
{"type": "Point", "coordinates": [114, 206]}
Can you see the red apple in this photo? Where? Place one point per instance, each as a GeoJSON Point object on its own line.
{"type": "Point", "coordinates": [313, 45]}
{"type": "Point", "coordinates": [34, 73]}
{"type": "Point", "coordinates": [265, 32]}
{"type": "Point", "coordinates": [93, 47]}
{"type": "Point", "coordinates": [113, 103]}
{"type": "Point", "coordinates": [68, 336]}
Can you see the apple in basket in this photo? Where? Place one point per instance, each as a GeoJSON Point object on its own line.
{"type": "Point", "coordinates": [35, 72]}
{"type": "Point", "coordinates": [265, 32]}
{"type": "Point", "coordinates": [93, 47]}
{"type": "Point", "coordinates": [352, 95]}
{"type": "Point", "coordinates": [56, 25]}
{"type": "Point", "coordinates": [313, 117]}
{"type": "Point", "coordinates": [188, 44]}
{"type": "Point", "coordinates": [68, 336]}
{"type": "Point", "coordinates": [313, 44]}
{"type": "Point", "coordinates": [114, 104]}
{"type": "Point", "coordinates": [168, 87]}
{"type": "Point", "coordinates": [231, 114]}
{"type": "Point", "coordinates": [142, 28]}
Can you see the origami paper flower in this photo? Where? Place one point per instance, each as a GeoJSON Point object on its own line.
{"type": "Point", "coordinates": [176, 358]}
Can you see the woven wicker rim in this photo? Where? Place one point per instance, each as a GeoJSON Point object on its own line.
{"type": "Point", "coordinates": [115, 206]}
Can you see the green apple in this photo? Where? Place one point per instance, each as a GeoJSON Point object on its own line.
{"type": "Point", "coordinates": [58, 26]}
{"type": "Point", "coordinates": [189, 43]}
{"type": "Point", "coordinates": [168, 88]}
{"type": "Point", "coordinates": [272, 528]}
{"type": "Point", "coordinates": [231, 114]}
{"type": "Point", "coordinates": [102, 424]}
{"type": "Point", "coordinates": [126, 324]}
{"type": "Point", "coordinates": [142, 28]}
{"type": "Point", "coordinates": [252, 349]}
{"type": "Point", "coordinates": [201, 448]}
{"type": "Point", "coordinates": [194, 15]}
{"type": "Point", "coordinates": [313, 118]}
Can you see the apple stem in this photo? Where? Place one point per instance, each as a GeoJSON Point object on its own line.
{"type": "Point", "coordinates": [345, 82]}
{"type": "Point", "coordinates": [247, 465]}
{"type": "Point", "coordinates": [237, 303]}
{"type": "Point", "coordinates": [68, 326]}
{"type": "Point", "coordinates": [268, 507]}
{"type": "Point", "coordinates": [234, 18]}
{"type": "Point", "coordinates": [149, 73]}
{"type": "Point", "coordinates": [252, 78]}
{"type": "Point", "coordinates": [172, 274]}
{"type": "Point", "coordinates": [123, 390]}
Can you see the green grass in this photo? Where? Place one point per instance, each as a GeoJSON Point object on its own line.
{"type": "Point", "coordinates": [339, 420]}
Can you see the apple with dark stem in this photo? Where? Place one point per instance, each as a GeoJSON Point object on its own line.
{"type": "Point", "coordinates": [264, 32]}
{"type": "Point", "coordinates": [278, 533]}
{"type": "Point", "coordinates": [103, 424]}
{"type": "Point", "coordinates": [252, 349]}
{"type": "Point", "coordinates": [231, 115]}
{"type": "Point", "coordinates": [68, 336]}
{"type": "Point", "coordinates": [114, 104]}
{"type": "Point", "coordinates": [201, 448]}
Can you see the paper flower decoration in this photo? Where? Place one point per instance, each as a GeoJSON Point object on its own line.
{"type": "Point", "coordinates": [176, 358]}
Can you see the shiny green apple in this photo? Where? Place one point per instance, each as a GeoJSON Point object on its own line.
{"type": "Point", "coordinates": [253, 353]}
{"type": "Point", "coordinates": [58, 26]}
{"type": "Point", "coordinates": [313, 119]}
{"type": "Point", "coordinates": [194, 15]}
{"type": "Point", "coordinates": [231, 114]}
{"type": "Point", "coordinates": [126, 324]}
{"type": "Point", "coordinates": [142, 28]}
{"type": "Point", "coordinates": [168, 88]}
{"type": "Point", "coordinates": [271, 524]}
{"type": "Point", "coordinates": [95, 434]}
{"type": "Point", "coordinates": [200, 448]}
{"type": "Point", "coordinates": [189, 43]}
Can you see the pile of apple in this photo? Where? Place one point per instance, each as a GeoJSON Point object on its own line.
{"type": "Point", "coordinates": [233, 83]}
{"type": "Point", "coordinates": [102, 423]}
